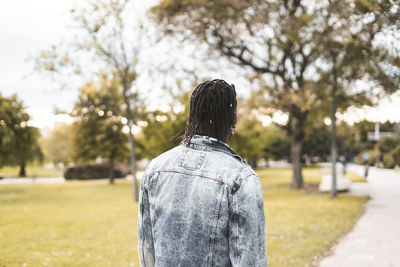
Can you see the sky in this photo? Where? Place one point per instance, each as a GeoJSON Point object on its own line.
{"type": "Point", "coordinates": [28, 27]}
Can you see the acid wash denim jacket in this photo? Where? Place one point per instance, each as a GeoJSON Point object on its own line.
{"type": "Point", "coordinates": [201, 205]}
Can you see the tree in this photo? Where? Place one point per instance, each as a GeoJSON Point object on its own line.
{"type": "Point", "coordinates": [393, 159]}
{"type": "Point", "coordinates": [19, 142]}
{"type": "Point", "coordinates": [248, 139]}
{"type": "Point", "coordinates": [277, 144]}
{"type": "Point", "coordinates": [357, 135]}
{"type": "Point", "coordinates": [58, 144]}
{"type": "Point", "coordinates": [7, 112]}
{"type": "Point", "coordinates": [162, 132]}
{"type": "Point", "coordinates": [317, 139]}
{"type": "Point", "coordinates": [164, 129]}
{"type": "Point", "coordinates": [109, 40]}
{"type": "Point", "coordinates": [292, 48]}
{"type": "Point", "coordinates": [387, 144]}
{"type": "Point", "coordinates": [26, 147]}
{"type": "Point", "coordinates": [348, 141]}
{"type": "Point", "coordinates": [98, 130]}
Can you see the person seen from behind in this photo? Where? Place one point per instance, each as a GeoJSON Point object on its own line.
{"type": "Point", "coordinates": [366, 164]}
{"type": "Point", "coordinates": [200, 203]}
{"type": "Point", "coordinates": [381, 161]}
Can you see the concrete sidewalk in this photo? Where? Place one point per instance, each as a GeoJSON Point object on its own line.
{"type": "Point", "coordinates": [56, 180]}
{"type": "Point", "coordinates": [30, 180]}
{"type": "Point", "coordinates": [375, 239]}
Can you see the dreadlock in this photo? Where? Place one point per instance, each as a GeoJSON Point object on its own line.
{"type": "Point", "coordinates": [212, 110]}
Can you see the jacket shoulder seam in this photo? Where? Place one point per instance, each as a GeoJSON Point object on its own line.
{"type": "Point", "coordinates": [220, 180]}
{"type": "Point", "coordinates": [237, 183]}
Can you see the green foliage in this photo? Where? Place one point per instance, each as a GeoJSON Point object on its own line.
{"type": "Point", "coordinates": [365, 6]}
{"type": "Point", "coordinates": [19, 142]}
{"type": "Point", "coordinates": [348, 138]}
{"type": "Point", "coordinates": [249, 140]}
{"type": "Point", "coordinates": [396, 155]}
{"type": "Point", "coordinates": [365, 126]}
{"type": "Point", "coordinates": [388, 147]}
{"type": "Point", "coordinates": [373, 157]}
{"type": "Point", "coordinates": [277, 143]}
{"type": "Point", "coordinates": [252, 140]}
{"type": "Point", "coordinates": [318, 139]}
{"type": "Point", "coordinates": [98, 129]}
{"type": "Point", "coordinates": [58, 144]}
{"type": "Point", "coordinates": [164, 130]}
{"type": "Point", "coordinates": [26, 145]}
{"type": "Point", "coordinates": [392, 159]}
{"type": "Point", "coordinates": [386, 144]}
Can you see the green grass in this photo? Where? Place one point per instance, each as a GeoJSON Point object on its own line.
{"type": "Point", "coordinates": [91, 223]}
{"type": "Point", "coordinates": [302, 227]}
{"type": "Point", "coordinates": [72, 224]}
{"type": "Point", "coordinates": [31, 171]}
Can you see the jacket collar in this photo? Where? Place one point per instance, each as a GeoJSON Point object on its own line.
{"type": "Point", "coordinates": [212, 143]}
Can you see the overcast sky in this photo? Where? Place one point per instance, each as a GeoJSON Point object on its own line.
{"type": "Point", "coordinates": [27, 27]}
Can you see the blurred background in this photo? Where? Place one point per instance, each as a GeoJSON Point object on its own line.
{"type": "Point", "coordinates": [91, 91]}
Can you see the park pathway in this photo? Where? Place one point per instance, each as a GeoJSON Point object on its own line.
{"type": "Point", "coordinates": [55, 180]}
{"type": "Point", "coordinates": [29, 180]}
{"type": "Point", "coordinates": [375, 239]}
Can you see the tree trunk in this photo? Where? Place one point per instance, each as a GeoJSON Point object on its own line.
{"type": "Point", "coordinates": [133, 165]}
{"type": "Point", "coordinates": [111, 170]}
{"type": "Point", "coordinates": [295, 155]}
{"type": "Point", "coordinates": [22, 171]}
{"type": "Point", "coordinates": [297, 135]}
{"type": "Point", "coordinates": [126, 87]}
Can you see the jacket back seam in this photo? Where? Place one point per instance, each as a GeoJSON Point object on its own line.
{"type": "Point", "coordinates": [236, 227]}
{"type": "Point", "coordinates": [215, 226]}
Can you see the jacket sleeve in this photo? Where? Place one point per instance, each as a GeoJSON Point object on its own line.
{"type": "Point", "coordinates": [145, 235]}
{"type": "Point", "coordinates": [247, 241]}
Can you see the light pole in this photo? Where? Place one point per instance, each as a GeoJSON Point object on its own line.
{"type": "Point", "coordinates": [334, 148]}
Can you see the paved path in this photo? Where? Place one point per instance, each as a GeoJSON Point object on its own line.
{"type": "Point", "coordinates": [29, 180]}
{"type": "Point", "coordinates": [54, 180]}
{"type": "Point", "coordinates": [375, 239]}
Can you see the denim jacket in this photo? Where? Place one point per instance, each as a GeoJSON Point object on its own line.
{"type": "Point", "coordinates": [201, 205]}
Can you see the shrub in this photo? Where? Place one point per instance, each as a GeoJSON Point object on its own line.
{"type": "Point", "coordinates": [386, 144]}
{"type": "Point", "coordinates": [395, 154]}
{"type": "Point", "coordinates": [373, 157]}
{"type": "Point", "coordinates": [392, 159]}
{"type": "Point", "coordinates": [388, 161]}
{"type": "Point", "coordinates": [95, 171]}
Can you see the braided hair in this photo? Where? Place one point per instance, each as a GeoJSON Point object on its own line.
{"type": "Point", "coordinates": [212, 110]}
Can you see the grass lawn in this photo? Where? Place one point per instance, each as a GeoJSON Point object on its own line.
{"type": "Point", "coordinates": [91, 223]}
{"type": "Point", "coordinates": [302, 226]}
{"type": "Point", "coordinates": [31, 171]}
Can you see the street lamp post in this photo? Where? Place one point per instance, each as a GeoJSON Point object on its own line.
{"type": "Point", "coordinates": [334, 147]}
